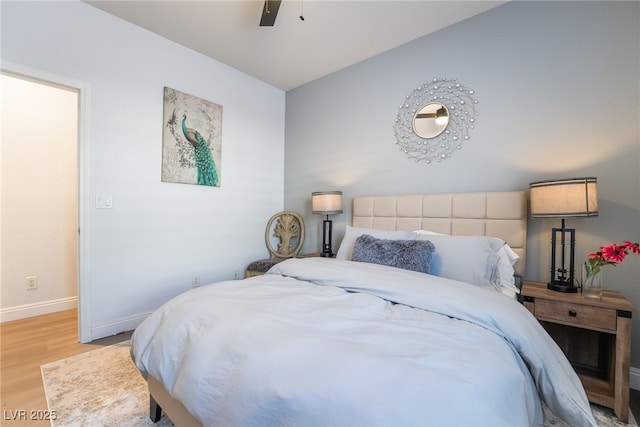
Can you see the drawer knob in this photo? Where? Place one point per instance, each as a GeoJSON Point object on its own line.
{"type": "Point", "coordinates": [572, 313]}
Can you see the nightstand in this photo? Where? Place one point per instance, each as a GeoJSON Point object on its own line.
{"type": "Point", "coordinates": [595, 336]}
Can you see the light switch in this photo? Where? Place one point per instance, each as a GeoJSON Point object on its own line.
{"type": "Point", "coordinates": [104, 201]}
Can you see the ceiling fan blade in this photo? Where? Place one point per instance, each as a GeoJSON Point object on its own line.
{"type": "Point", "coordinates": [269, 12]}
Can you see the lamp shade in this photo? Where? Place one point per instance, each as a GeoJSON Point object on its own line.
{"type": "Point", "coordinates": [564, 198]}
{"type": "Point", "coordinates": [326, 202]}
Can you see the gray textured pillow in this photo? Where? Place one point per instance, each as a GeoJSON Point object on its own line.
{"type": "Point", "coordinates": [407, 254]}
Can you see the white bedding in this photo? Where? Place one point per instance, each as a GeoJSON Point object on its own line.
{"type": "Point", "coordinates": [329, 342]}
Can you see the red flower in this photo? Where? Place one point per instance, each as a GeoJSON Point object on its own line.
{"type": "Point", "coordinates": [614, 253]}
{"type": "Point", "coordinates": [610, 255]}
{"type": "Point", "coordinates": [596, 256]}
{"type": "Point", "coordinates": [633, 247]}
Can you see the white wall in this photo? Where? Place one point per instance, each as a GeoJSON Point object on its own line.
{"type": "Point", "coordinates": [558, 96]}
{"type": "Point", "coordinates": [158, 235]}
{"type": "Point", "coordinates": [39, 198]}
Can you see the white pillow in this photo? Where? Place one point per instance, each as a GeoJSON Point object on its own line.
{"type": "Point", "coordinates": [502, 276]}
{"type": "Point", "coordinates": [419, 232]}
{"type": "Point", "coordinates": [505, 271]}
{"type": "Point", "coordinates": [352, 233]}
{"type": "Point", "coordinates": [471, 259]}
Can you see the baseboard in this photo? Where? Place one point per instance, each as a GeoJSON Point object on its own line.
{"type": "Point", "coordinates": [37, 309]}
{"type": "Point", "coordinates": [125, 324]}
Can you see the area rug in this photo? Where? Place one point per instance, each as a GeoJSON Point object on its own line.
{"type": "Point", "coordinates": [104, 388]}
{"type": "Point", "coordinates": [604, 417]}
{"type": "Point", "coordinates": [98, 388]}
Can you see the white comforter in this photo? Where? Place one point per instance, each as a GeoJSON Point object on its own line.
{"type": "Point", "coordinates": [323, 342]}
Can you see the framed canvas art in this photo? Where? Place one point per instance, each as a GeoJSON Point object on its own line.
{"type": "Point", "coordinates": [191, 139]}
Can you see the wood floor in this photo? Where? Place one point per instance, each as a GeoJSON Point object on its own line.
{"type": "Point", "coordinates": [26, 344]}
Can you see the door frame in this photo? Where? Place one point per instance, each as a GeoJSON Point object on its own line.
{"type": "Point", "coordinates": [84, 97]}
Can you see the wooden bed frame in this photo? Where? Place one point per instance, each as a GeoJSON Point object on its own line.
{"type": "Point", "coordinates": [496, 214]}
{"type": "Point", "coordinates": [160, 400]}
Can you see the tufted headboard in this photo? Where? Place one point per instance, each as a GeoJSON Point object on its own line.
{"type": "Point", "coordinates": [496, 214]}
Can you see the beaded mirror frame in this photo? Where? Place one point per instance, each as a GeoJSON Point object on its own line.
{"type": "Point", "coordinates": [461, 108]}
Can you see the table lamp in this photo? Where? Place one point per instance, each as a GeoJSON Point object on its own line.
{"type": "Point", "coordinates": [326, 203]}
{"type": "Point", "coordinates": [571, 197]}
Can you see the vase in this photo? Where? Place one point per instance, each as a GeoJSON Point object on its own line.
{"type": "Point", "coordinates": [592, 285]}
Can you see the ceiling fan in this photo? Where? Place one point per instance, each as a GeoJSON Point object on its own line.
{"type": "Point", "coordinates": [269, 12]}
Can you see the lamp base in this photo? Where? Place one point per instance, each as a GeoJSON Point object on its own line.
{"type": "Point", "coordinates": [562, 287]}
{"type": "Point", "coordinates": [326, 238]}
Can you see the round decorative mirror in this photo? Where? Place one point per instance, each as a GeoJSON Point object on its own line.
{"type": "Point", "coordinates": [431, 120]}
{"type": "Point", "coordinates": [434, 120]}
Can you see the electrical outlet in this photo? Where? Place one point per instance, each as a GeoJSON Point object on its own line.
{"type": "Point", "coordinates": [196, 281]}
{"type": "Point", "coordinates": [32, 282]}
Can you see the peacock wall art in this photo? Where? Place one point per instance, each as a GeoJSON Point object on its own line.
{"type": "Point", "coordinates": [192, 142]}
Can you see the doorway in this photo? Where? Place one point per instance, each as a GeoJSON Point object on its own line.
{"type": "Point", "coordinates": [41, 192]}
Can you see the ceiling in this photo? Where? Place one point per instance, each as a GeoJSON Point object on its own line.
{"type": "Point", "coordinates": [332, 36]}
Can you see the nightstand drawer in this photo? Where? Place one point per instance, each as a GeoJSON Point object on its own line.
{"type": "Point", "coordinates": [580, 315]}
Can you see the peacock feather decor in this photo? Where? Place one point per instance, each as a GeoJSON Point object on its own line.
{"type": "Point", "coordinates": [206, 167]}
{"type": "Point", "coordinates": [191, 149]}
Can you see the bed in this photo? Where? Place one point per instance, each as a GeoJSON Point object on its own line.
{"type": "Point", "coordinates": [416, 322]}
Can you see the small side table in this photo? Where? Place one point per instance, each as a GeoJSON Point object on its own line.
{"type": "Point", "coordinates": [595, 335]}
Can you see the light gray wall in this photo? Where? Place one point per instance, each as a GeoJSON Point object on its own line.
{"type": "Point", "coordinates": [158, 235]}
{"type": "Point", "coordinates": [558, 93]}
